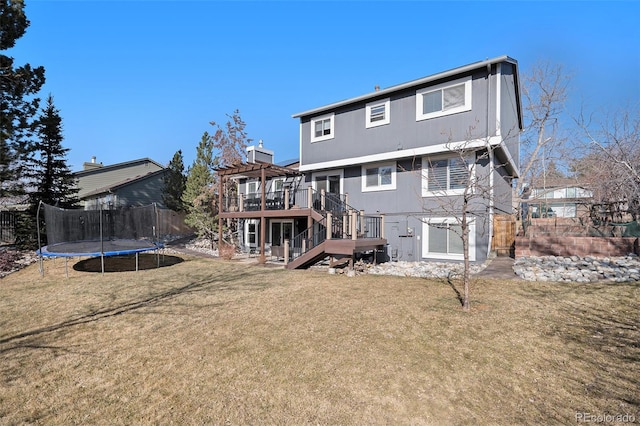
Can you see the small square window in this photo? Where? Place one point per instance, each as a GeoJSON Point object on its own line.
{"type": "Point", "coordinates": [378, 113]}
{"type": "Point", "coordinates": [322, 128]}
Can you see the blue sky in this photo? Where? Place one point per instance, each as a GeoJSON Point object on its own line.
{"type": "Point", "coordinates": [136, 79]}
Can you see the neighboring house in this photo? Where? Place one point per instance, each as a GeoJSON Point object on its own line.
{"type": "Point", "coordinates": [374, 162]}
{"type": "Point", "coordinates": [132, 183]}
{"type": "Point", "coordinates": [560, 198]}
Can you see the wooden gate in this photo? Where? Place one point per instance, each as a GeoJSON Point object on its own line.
{"type": "Point", "coordinates": [504, 235]}
{"type": "Point", "coordinates": [8, 226]}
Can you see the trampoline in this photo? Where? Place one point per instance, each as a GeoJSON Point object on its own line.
{"type": "Point", "coordinates": [98, 233]}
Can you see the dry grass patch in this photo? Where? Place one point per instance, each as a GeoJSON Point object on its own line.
{"type": "Point", "coordinates": [208, 341]}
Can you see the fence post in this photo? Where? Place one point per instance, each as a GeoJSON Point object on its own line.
{"type": "Point", "coordinates": [382, 225]}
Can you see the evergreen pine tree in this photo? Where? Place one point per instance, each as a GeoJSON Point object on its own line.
{"type": "Point", "coordinates": [55, 184]}
{"type": "Point", "coordinates": [18, 106]}
{"type": "Point", "coordinates": [174, 183]}
{"type": "Point", "coordinates": [47, 174]}
{"type": "Point", "coordinates": [199, 192]}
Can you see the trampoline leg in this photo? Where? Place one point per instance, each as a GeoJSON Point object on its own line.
{"type": "Point", "coordinates": [41, 267]}
{"type": "Point", "coordinates": [102, 263]}
{"type": "Point", "coordinates": [66, 268]}
{"type": "Point", "coordinates": [136, 261]}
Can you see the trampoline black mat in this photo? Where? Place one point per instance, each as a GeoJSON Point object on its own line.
{"type": "Point", "coordinates": [98, 248]}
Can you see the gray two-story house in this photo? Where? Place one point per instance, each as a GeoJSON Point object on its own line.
{"type": "Point", "coordinates": [407, 161]}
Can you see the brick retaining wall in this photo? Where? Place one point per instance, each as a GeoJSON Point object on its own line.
{"type": "Point", "coordinates": [555, 245]}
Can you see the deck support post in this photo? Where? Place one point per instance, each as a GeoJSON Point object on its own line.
{"type": "Point", "coordinates": [354, 225]}
{"type": "Point", "coordinates": [263, 221]}
{"type": "Point", "coordinates": [286, 252]}
{"type": "Point", "coordinates": [329, 225]}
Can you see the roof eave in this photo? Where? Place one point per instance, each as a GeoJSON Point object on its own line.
{"type": "Point", "coordinates": [409, 84]}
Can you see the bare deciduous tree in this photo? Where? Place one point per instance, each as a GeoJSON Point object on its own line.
{"type": "Point", "coordinates": [463, 187]}
{"type": "Point", "coordinates": [544, 91]}
{"type": "Point", "coordinates": [612, 165]}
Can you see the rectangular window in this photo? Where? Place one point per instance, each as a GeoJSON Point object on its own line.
{"type": "Point", "coordinates": [322, 128]}
{"type": "Point", "coordinates": [444, 99]}
{"type": "Point", "coordinates": [378, 113]}
{"type": "Point", "coordinates": [252, 189]}
{"type": "Point", "coordinates": [276, 185]}
{"type": "Point", "coordinates": [379, 177]}
{"type": "Point", "coordinates": [445, 176]}
{"type": "Point", "coordinates": [442, 239]}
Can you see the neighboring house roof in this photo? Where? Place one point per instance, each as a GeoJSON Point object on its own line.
{"type": "Point", "coordinates": [288, 163]}
{"type": "Point", "coordinates": [115, 186]}
{"type": "Point", "coordinates": [102, 169]}
{"type": "Point", "coordinates": [420, 81]}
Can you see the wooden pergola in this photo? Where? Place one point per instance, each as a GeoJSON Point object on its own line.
{"type": "Point", "coordinates": [260, 170]}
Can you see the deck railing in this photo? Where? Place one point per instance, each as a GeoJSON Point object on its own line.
{"type": "Point", "coordinates": [285, 199]}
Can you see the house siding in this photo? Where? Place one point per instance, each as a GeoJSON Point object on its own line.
{"type": "Point", "coordinates": [353, 139]}
{"type": "Point", "coordinates": [509, 123]}
{"type": "Point", "coordinates": [142, 192]}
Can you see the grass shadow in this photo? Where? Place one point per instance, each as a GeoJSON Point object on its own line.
{"type": "Point", "coordinates": [224, 282]}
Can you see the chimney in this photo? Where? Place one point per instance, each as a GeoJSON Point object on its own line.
{"type": "Point", "coordinates": [377, 88]}
{"type": "Point", "coordinates": [259, 153]}
{"type": "Point", "coordinates": [93, 164]}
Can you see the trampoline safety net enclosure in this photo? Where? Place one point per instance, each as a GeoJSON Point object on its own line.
{"type": "Point", "coordinates": [104, 232]}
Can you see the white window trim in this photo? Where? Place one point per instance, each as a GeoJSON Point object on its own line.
{"type": "Point", "coordinates": [328, 173]}
{"type": "Point", "coordinates": [387, 113]}
{"type": "Point", "coordinates": [447, 192]}
{"type": "Point", "coordinates": [273, 184]}
{"type": "Point", "coordinates": [448, 256]}
{"type": "Point", "coordinates": [324, 137]}
{"type": "Point", "coordinates": [390, 187]}
{"type": "Point", "coordinates": [467, 99]}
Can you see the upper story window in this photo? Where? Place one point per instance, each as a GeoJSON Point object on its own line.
{"type": "Point", "coordinates": [444, 99]}
{"type": "Point", "coordinates": [447, 176]}
{"type": "Point", "coordinates": [322, 128]}
{"type": "Point", "coordinates": [380, 177]}
{"type": "Point", "coordinates": [252, 188]}
{"type": "Point", "coordinates": [378, 113]}
{"type": "Point", "coordinates": [277, 185]}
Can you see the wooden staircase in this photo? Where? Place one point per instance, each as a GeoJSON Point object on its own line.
{"type": "Point", "coordinates": [338, 230]}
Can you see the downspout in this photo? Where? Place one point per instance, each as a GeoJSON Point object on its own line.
{"type": "Point", "coordinates": [491, 171]}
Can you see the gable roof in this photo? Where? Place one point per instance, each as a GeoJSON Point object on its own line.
{"type": "Point", "coordinates": [103, 169]}
{"type": "Point", "coordinates": [420, 81]}
{"type": "Point", "coordinates": [121, 184]}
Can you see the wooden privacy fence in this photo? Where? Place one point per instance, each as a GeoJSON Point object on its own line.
{"type": "Point", "coordinates": [172, 223]}
{"type": "Point", "coordinates": [504, 235]}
